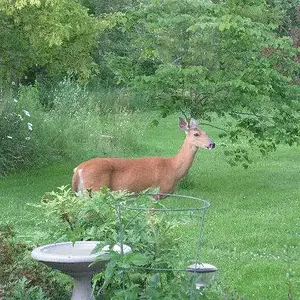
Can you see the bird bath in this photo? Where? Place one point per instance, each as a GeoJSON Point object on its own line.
{"type": "Point", "coordinates": [76, 260]}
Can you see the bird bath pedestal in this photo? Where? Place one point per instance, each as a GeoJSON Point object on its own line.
{"type": "Point", "coordinates": [75, 260]}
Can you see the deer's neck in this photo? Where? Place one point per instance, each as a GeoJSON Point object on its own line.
{"type": "Point", "coordinates": [184, 159]}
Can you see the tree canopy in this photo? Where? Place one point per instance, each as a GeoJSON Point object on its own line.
{"type": "Point", "coordinates": [216, 58]}
{"type": "Point", "coordinates": [56, 37]}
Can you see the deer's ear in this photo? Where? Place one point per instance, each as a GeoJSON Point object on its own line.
{"type": "Point", "coordinates": [183, 125]}
{"type": "Point", "coordinates": [194, 123]}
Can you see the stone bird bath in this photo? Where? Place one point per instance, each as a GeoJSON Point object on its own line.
{"type": "Point", "coordinates": [76, 260]}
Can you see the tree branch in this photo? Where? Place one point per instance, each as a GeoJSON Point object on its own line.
{"type": "Point", "coordinates": [246, 114]}
{"type": "Point", "coordinates": [217, 127]}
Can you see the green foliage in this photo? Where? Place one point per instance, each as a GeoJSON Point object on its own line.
{"type": "Point", "coordinates": [29, 134]}
{"type": "Point", "coordinates": [15, 135]}
{"type": "Point", "coordinates": [155, 268]}
{"type": "Point", "coordinates": [23, 291]}
{"type": "Point", "coordinates": [99, 8]}
{"type": "Point", "coordinates": [82, 218]}
{"type": "Point", "coordinates": [53, 38]}
{"type": "Point", "coordinates": [70, 121]}
{"type": "Point", "coordinates": [210, 59]}
{"type": "Point", "coordinates": [289, 15]}
{"type": "Point", "coordinates": [21, 277]}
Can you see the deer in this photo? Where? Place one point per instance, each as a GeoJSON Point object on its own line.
{"type": "Point", "coordinates": [139, 174]}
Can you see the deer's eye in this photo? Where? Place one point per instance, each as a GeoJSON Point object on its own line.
{"type": "Point", "coordinates": [196, 134]}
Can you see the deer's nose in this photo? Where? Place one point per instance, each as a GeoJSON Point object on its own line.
{"type": "Point", "coordinates": [212, 145]}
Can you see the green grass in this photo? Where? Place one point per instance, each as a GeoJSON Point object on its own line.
{"type": "Point", "coordinates": [29, 187]}
{"type": "Point", "coordinates": [252, 229]}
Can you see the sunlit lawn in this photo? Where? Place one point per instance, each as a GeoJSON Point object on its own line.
{"type": "Point", "coordinates": [252, 229]}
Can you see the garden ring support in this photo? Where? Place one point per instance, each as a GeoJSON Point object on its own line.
{"type": "Point", "coordinates": [182, 214]}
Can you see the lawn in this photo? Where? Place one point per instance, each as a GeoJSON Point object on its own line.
{"type": "Point", "coordinates": [252, 228]}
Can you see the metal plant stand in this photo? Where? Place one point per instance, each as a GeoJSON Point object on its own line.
{"type": "Point", "coordinates": [186, 211]}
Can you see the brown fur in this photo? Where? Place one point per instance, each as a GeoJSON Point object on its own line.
{"type": "Point", "coordinates": [125, 174]}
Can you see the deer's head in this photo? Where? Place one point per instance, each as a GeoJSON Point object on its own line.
{"type": "Point", "coordinates": [195, 135]}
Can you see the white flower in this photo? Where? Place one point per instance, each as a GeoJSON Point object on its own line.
{"type": "Point", "coordinates": [9, 137]}
{"type": "Point", "coordinates": [27, 138]}
{"type": "Point", "coordinates": [26, 112]}
{"type": "Point", "coordinates": [29, 126]}
{"type": "Point", "coordinates": [21, 118]}
{"type": "Point", "coordinates": [15, 100]}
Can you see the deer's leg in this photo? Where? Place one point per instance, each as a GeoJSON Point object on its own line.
{"type": "Point", "coordinates": [163, 192]}
{"type": "Point", "coordinates": [159, 196]}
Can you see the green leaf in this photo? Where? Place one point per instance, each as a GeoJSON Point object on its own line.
{"type": "Point", "coordinates": [138, 259]}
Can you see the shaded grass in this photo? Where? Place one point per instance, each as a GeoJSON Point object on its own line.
{"type": "Point", "coordinates": [252, 229]}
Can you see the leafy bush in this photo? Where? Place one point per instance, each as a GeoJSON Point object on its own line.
{"type": "Point", "coordinates": [41, 39]}
{"type": "Point", "coordinates": [23, 278]}
{"type": "Point", "coordinates": [73, 123]}
{"type": "Point", "coordinates": [29, 135]}
{"type": "Point", "coordinates": [15, 135]}
{"type": "Point", "coordinates": [155, 268]}
{"type": "Point", "coordinates": [23, 291]}
{"type": "Point", "coordinates": [79, 218]}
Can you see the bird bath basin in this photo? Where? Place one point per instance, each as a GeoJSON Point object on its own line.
{"type": "Point", "coordinates": [75, 260]}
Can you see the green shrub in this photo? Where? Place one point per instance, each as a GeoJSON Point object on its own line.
{"type": "Point", "coordinates": [29, 136]}
{"type": "Point", "coordinates": [15, 135]}
{"type": "Point", "coordinates": [69, 99]}
{"type": "Point", "coordinates": [23, 291]}
{"type": "Point", "coordinates": [23, 278]}
{"type": "Point", "coordinates": [76, 124]}
{"type": "Point", "coordinates": [156, 267]}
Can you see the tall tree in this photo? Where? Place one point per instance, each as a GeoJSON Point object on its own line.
{"type": "Point", "coordinates": [53, 36]}
{"type": "Point", "coordinates": [216, 58]}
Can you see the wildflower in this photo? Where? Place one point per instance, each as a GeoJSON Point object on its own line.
{"type": "Point", "coordinates": [9, 137]}
{"type": "Point", "coordinates": [27, 138]}
{"type": "Point", "coordinates": [29, 126]}
{"type": "Point", "coordinates": [15, 100]}
{"type": "Point", "coordinates": [26, 112]}
{"type": "Point", "coordinates": [21, 118]}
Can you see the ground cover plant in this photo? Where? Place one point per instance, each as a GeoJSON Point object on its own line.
{"type": "Point", "coordinates": [251, 231]}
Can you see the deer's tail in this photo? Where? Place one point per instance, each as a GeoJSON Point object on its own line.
{"type": "Point", "coordinates": [77, 182]}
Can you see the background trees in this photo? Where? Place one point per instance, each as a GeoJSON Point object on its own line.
{"type": "Point", "coordinates": [204, 59]}
{"type": "Point", "coordinates": [49, 38]}
{"type": "Point", "coordinates": [213, 58]}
